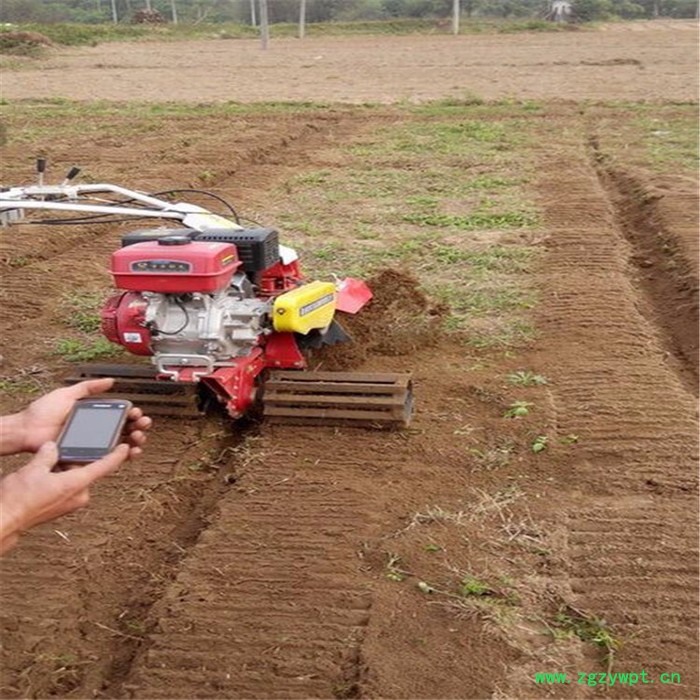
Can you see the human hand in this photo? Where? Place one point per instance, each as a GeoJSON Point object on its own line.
{"type": "Point", "coordinates": [43, 419]}
{"type": "Point", "coordinates": [35, 494]}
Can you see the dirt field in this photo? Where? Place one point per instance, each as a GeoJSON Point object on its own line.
{"type": "Point", "coordinates": [641, 61]}
{"type": "Point", "coordinates": [451, 560]}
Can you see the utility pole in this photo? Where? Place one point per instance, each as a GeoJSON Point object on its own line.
{"type": "Point", "coordinates": [264, 25]}
{"type": "Point", "coordinates": [148, 5]}
{"type": "Point", "coordinates": [173, 10]}
{"type": "Point", "coordinates": [115, 16]}
{"type": "Point", "coordinates": [302, 18]}
{"type": "Point", "coordinates": [253, 21]}
{"type": "Point", "coordinates": [455, 17]}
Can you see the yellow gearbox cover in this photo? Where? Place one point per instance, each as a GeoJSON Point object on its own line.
{"type": "Point", "coordinates": [305, 308]}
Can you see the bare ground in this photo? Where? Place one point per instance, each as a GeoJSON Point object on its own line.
{"type": "Point", "coordinates": [638, 61]}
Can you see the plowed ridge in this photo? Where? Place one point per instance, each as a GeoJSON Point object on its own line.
{"type": "Point", "coordinates": [272, 603]}
{"type": "Point", "coordinates": [633, 541]}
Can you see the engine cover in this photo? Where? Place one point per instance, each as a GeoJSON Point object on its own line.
{"type": "Point", "coordinates": [220, 326]}
{"type": "Point", "coordinates": [122, 318]}
{"type": "Point", "coordinates": [175, 265]}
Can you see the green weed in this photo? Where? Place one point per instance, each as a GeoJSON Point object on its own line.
{"type": "Point", "coordinates": [27, 381]}
{"type": "Point", "coordinates": [476, 300]}
{"type": "Point", "coordinates": [80, 310]}
{"type": "Point", "coordinates": [491, 182]}
{"type": "Point", "coordinates": [475, 221]}
{"type": "Point", "coordinates": [526, 378]}
{"type": "Point", "coordinates": [394, 573]}
{"type": "Point", "coordinates": [317, 177]}
{"type": "Point", "coordinates": [518, 409]}
{"type": "Point", "coordinates": [18, 261]}
{"type": "Point", "coordinates": [494, 456]}
{"type": "Point", "coordinates": [473, 586]}
{"type": "Point", "coordinates": [588, 628]}
{"type": "Point", "coordinates": [539, 444]}
{"type": "Point", "coordinates": [510, 333]}
{"type": "Point", "coordinates": [73, 350]}
{"type": "Point", "coordinates": [569, 439]}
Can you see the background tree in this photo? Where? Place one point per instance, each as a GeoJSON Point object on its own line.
{"type": "Point", "coordinates": [215, 11]}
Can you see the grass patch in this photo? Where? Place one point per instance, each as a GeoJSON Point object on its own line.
{"type": "Point", "coordinates": [518, 409]}
{"type": "Point", "coordinates": [510, 333]}
{"type": "Point", "coordinates": [495, 455]}
{"type": "Point", "coordinates": [478, 301]}
{"type": "Point", "coordinates": [73, 350]}
{"type": "Point", "coordinates": [672, 141]}
{"type": "Point", "coordinates": [411, 190]}
{"type": "Point", "coordinates": [667, 134]}
{"type": "Point", "coordinates": [476, 221]}
{"type": "Point", "coordinates": [26, 381]}
{"type": "Point", "coordinates": [21, 44]}
{"type": "Point", "coordinates": [443, 196]}
{"type": "Point", "coordinates": [34, 121]}
{"type": "Point", "coordinates": [524, 377]}
{"type": "Point", "coordinates": [570, 622]}
{"type": "Point", "coordinates": [80, 310]}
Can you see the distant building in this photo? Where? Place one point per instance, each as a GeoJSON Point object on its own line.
{"type": "Point", "coordinates": [560, 11]}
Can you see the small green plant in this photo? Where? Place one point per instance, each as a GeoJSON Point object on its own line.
{"type": "Point", "coordinates": [472, 222]}
{"type": "Point", "coordinates": [394, 573]}
{"type": "Point", "coordinates": [569, 439]}
{"type": "Point", "coordinates": [569, 621]}
{"type": "Point", "coordinates": [518, 409]}
{"type": "Point", "coordinates": [523, 377]}
{"type": "Point", "coordinates": [432, 548]}
{"type": "Point", "coordinates": [539, 444]}
{"type": "Point", "coordinates": [73, 350]}
{"type": "Point", "coordinates": [81, 310]}
{"type": "Point", "coordinates": [31, 380]}
{"type": "Point", "coordinates": [15, 386]}
{"type": "Point", "coordinates": [207, 177]}
{"type": "Point", "coordinates": [135, 626]}
{"type": "Point", "coordinates": [495, 455]}
{"type": "Point", "coordinates": [18, 261]}
{"type": "Point", "coordinates": [473, 586]}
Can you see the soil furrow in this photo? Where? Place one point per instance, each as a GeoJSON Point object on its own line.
{"type": "Point", "coordinates": [108, 590]}
{"type": "Point", "coordinates": [286, 623]}
{"type": "Point", "coordinates": [665, 275]}
{"type": "Point", "coordinates": [617, 453]}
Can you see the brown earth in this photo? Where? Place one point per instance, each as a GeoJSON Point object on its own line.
{"type": "Point", "coordinates": [635, 61]}
{"type": "Point", "coordinates": [285, 562]}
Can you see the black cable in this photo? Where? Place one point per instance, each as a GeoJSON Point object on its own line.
{"type": "Point", "coordinates": [178, 301]}
{"type": "Point", "coordinates": [252, 221]}
{"type": "Point", "coordinates": [228, 205]}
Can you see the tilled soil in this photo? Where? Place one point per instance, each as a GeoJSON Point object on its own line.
{"type": "Point", "coordinates": [271, 562]}
{"type": "Point", "coordinates": [640, 61]}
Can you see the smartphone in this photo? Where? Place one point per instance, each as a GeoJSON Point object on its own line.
{"type": "Point", "coordinates": [92, 429]}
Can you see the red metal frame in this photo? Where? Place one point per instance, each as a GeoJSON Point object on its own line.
{"type": "Point", "coordinates": [123, 318]}
{"type": "Point", "coordinates": [235, 386]}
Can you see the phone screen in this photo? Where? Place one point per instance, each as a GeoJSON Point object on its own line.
{"type": "Point", "coordinates": [93, 428]}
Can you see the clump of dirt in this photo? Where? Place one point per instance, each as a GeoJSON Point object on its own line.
{"type": "Point", "coordinates": [399, 320]}
{"type": "Point", "coordinates": [23, 43]}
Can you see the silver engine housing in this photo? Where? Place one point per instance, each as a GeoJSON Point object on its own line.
{"type": "Point", "coordinates": [220, 326]}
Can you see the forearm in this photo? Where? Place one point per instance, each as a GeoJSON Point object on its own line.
{"type": "Point", "coordinates": [12, 434]}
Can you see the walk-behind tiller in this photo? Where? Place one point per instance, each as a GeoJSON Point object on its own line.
{"type": "Point", "coordinates": [222, 310]}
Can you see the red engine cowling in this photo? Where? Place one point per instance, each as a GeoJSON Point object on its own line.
{"type": "Point", "coordinates": [122, 320]}
{"type": "Point", "coordinates": [175, 265]}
